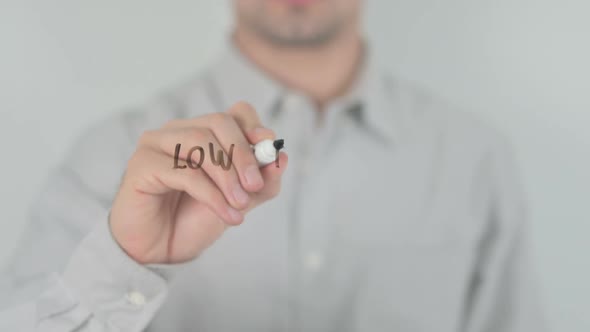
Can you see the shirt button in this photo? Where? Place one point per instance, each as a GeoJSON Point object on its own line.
{"type": "Point", "coordinates": [313, 261]}
{"type": "Point", "coordinates": [135, 298]}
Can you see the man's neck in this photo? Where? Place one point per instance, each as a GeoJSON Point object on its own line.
{"type": "Point", "coordinates": [321, 72]}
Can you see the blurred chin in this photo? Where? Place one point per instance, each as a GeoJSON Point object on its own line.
{"type": "Point", "coordinates": [295, 22]}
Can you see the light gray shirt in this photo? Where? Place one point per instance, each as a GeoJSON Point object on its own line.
{"type": "Point", "coordinates": [397, 213]}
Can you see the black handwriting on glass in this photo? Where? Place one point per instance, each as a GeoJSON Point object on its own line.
{"type": "Point", "coordinates": [217, 161]}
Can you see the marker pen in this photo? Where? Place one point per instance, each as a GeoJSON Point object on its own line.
{"type": "Point", "coordinates": [267, 151]}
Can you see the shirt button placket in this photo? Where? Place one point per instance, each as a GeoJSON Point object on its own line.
{"type": "Point", "coordinates": [299, 117]}
{"type": "Point", "coordinates": [313, 261]}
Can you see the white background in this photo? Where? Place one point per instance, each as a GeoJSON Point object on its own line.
{"type": "Point", "coordinates": [522, 64]}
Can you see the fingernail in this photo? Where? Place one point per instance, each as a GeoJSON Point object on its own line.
{"type": "Point", "coordinates": [263, 132]}
{"type": "Point", "coordinates": [240, 195]}
{"type": "Point", "coordinates": [253, 177]}
{"type": "Point", "coordinates": [259, 130]}
{"type": "Point", "coordinates": [234, 214]}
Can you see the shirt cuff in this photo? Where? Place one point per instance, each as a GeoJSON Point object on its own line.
{"type": "Point", "coordinates": [114, 288]}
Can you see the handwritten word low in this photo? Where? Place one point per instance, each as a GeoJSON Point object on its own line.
{"type": "Point", "coordinates": [219, 161]}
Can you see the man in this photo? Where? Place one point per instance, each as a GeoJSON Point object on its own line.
{"type": "Point", "coordinates": [395, 212]}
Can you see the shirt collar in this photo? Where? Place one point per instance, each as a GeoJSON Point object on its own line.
{"type": "Point", "coordinates": [235, 78]}
{"type": "Point", "coordinates": [372, 97]}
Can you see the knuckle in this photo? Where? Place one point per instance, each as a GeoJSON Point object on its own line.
{"type": "Point", "coordinates": [146, 137]}
{"type": "Point", "coordinates": [243, 108]}
{"type": "Point", "coordinates": [135, 158]}
{"type": "Point", "coordinates": [243, 105]}
{"type": "Point", "coordinates": [218, 119]}
{"type": "Point", "coordinates": [196, 135]}
{"type": "Point", "coordinates": [171, 124]}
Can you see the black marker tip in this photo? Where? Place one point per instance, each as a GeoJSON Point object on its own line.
{"type": "Point", "coordinates": [279, 144]}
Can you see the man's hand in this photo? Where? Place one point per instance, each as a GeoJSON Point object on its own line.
{"type": "Point", "coordinates": [167, 215]}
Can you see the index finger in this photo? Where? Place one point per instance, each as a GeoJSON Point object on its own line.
{"type": "Point", "coordinates": [249, 122]}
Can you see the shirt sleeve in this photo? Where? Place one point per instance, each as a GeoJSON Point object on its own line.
{"type": "Point", "coordinates": [504, 294]}
{"type": "Point", "coordinates": [101, 289]}
{"type": "Point", "coordinates": [67, 272]}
